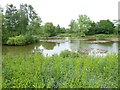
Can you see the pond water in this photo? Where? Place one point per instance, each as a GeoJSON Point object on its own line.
{"type": "Point", "coordinates": [50, 48]}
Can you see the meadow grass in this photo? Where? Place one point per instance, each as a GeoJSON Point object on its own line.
{"type": "Point", "coordinates": [103, 36]}
{"type": "Point", "coordinates": [37, 71]}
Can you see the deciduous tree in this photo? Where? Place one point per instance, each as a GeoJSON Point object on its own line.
{"type": "Point", "coordinates": [84, 23]}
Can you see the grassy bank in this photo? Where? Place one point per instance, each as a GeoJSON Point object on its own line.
{"type": "Point", "coordinates": [104, 36]}
{"type": "Point", "coordinates": [97, 36]}
{"type": "Point", "coordinates": [69, 35]}
{"type": "Point", "coordinates": [69, 70]}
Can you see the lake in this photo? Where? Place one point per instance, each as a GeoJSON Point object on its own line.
{"type": "Point", "coordinates": [55, 46]}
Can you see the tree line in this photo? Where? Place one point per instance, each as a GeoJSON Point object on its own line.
{"type": "Point", "coordinates": [84, 26]}
{"type": "Point", "coordinates": [23, 26]}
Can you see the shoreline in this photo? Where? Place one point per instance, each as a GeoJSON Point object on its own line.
{"type": "Point", "coordinates": [87, 38]}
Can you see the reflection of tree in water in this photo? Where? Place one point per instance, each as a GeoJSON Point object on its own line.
{"type": "Point", "coordinates": [48, 45]}
{"type": "Point", "coordinates": [19, 49]}
{"type": "Point", "coordinates": [106, 44]}
{"type": "Point", "coordinates": [75, 45]}
{"type": "Point", "coordinates": [58, 44]}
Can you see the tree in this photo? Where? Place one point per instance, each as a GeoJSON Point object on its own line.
{"type": "Point", "coordinates": [29, 22]}
{"type": "Point", "coordinates": [34, 26]}
{"type": "Point", "coordinates": [23, 21]}
{"type": "Point", "coordinates": [63, 29]}
{"type": "Point", "coordinates": [58, 29]}
{"type": "Point", "coordinates": [73, 26]}
{"type": "Point", "coordinates": [49, 29]}
{"type": "Point", "coordinates": [105, 27]}
{"type": "Point", "coordinates": [10, 20]}
{"type": "Point", "coordinates": [1, 16]}
{"type": "Point", "coordinates": [34, 21]}
{"type": "Point", "coordinates": [84, 23]}
{"type": "Point", "coordinates": [92, 29]}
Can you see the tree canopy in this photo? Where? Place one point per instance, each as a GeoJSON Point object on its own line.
{"type": "Point", "coordinates": [81, 26]}
{"type": "Point", "coordinates": [20, 21]}
{"type": "Point", "coordinates": [105, 26]}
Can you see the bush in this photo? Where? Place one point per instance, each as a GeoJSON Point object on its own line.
{"type": "Point", "coordinates": [22, 40]}
{"type": "Point", "coordinates": [18, 40]}
{"type": "Point", "coordinates": [10, 41]}
{"type": "Point", "coordinates": [68, 53]}
{"type": "Point", "coordinates": [35, 38]}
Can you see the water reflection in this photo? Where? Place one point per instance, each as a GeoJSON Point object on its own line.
{"type": "Point", "coordinates": [48, 45]}
{"type": "Point", "coordinates": [50, 48]}
{"type": "Point", "coordinates": [56, 50]}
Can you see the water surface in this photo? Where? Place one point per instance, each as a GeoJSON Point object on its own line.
{"type": "Point", "coordinates": [50, 48]}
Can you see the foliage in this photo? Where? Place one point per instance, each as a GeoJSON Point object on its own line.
{"type": "Point", "coordinates": [59, 29]}
{"type": "Point", "coordinates": [105, 27]}
{"type": "Point", "coordinates": [81, 26]}
{"type": "Point", "coordinates": [92, 29]}
{"type": "Point", "coordinates": [37, 71]}
{"type": "Point", "coordinates": [103, 36]}
{"type": "Point", "coordinates": [18, 40]}
{"type": "Point", "coordinates": [22, 21]}
{"type": "Point", "coordinates": [73, 26]}
{"type": "Point", "coordinates": [69, 35]}
{"type": "Point", "coordinates": [68, 53]}
{"type": "Point", "coordinates": [31, 39]}
{"type": "Point", "coordinates": [49, 29]}
{"type": "Point", "coordinates": [1, 25]}
{"type": "Point", "coordinates": [84, 23]}
{"type": "Point", "coordinates": [22, 40]}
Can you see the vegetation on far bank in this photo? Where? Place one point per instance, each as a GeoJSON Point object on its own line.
{"type": "Point", "coordinates": [67, 70]}
{"type": "Point", "coordinates": [19, 26]}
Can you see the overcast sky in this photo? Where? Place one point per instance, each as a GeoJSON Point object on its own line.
{"type": "Point", "coordinates": [62, 11]}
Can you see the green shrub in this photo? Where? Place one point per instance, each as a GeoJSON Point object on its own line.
{"type": "Point", "coordinates": [35, 38]}
{"type": "Point", "coordinates": [67, 53]}
{"type": "Point", "coordinates": [10, 41]}
{"type": "Point", "coordinates": [22, 40]}
{"type": "Point", "coordinates": [31, 39]}
{"type": "Point", "coordinates": [18, 40]}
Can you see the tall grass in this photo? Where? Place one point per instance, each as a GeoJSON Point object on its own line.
{"type": "Point", "coordinates": [69, 35]}
{"type": "Point", "coordinates": [103, 36]}
{"type": "Point", "coordinates": [37, 71]}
